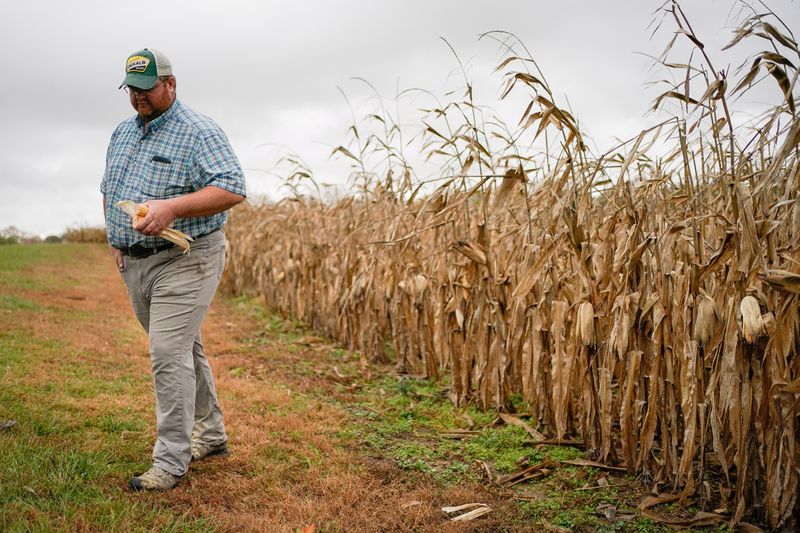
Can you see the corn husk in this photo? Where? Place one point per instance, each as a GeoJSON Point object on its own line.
{"type": "Point", "coordinates": [707, 319]}
{"type": "Point", "coordinates": [752, 324]}
{"type": "Point", "coordinates": [139, 211]}
{"type": "Point", "coordinates": [584, 324]}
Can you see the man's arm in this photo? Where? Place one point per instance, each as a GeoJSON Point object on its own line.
{"type": "Point", "coordinates": [207, 201]}
{"type": "Point", "coordinates": [119, 259]}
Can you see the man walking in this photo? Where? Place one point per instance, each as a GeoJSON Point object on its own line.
{"type": "Point", "coordinates": [181, 165]}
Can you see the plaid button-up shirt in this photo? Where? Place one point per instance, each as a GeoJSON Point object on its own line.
{"type": "Point", "coordinates": [177, 153]}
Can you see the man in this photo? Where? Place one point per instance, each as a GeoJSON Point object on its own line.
{"type": "Point", "coordinates": [179, 164]}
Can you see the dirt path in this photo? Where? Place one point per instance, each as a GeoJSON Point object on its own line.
{"type": "Point", "coordinates": [288, 468]}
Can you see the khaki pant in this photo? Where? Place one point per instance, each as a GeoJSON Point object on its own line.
{"type": "Point", "coordinates": [171, 293]}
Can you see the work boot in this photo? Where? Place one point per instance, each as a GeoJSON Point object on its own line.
{"type": "Point", "coordinates": [155, 479]}
{"type": "Point", "coordinates": [201, 451]}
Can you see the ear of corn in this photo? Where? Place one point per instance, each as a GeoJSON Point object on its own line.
{"type": "Point", "coordinates": [139, 211]}
{"type": "Point", "coordinates": [584, 324]}
{"type": "Point", "coordinates": [707, 319]}
{"type": "Point", "coordinates": [752, 324]}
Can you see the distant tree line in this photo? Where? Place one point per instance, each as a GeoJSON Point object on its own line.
{"type": "Point", "coordinates": [14, 235]}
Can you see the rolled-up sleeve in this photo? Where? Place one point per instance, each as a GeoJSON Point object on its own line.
{"type": "Point", "coordinates": [216, 164]}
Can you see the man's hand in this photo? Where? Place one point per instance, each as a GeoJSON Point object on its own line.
{"type": "Point", "coordinates": [119, 259]}
{"type": "Point", "coordinates": [160, 215]}
{"type": "Point", "coordinates": [208, 201]}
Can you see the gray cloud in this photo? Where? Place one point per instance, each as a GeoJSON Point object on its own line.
{"type": "Point", "coordinates": [268, 73]}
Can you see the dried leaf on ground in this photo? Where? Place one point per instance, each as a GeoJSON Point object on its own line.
{"type": "Point", "coordinates": [537, 471]}
{"type": "Point", "coordinates": [593, 464]}
{"type": "Point", "coordinates": [514, 421]}
{"type": "Point", "coordinates": [480, 509]}
{"type": "Point", "coordinates": [700, 519]}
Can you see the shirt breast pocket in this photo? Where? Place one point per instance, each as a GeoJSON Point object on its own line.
{"type": "Point", "coordinates": [165, 179]}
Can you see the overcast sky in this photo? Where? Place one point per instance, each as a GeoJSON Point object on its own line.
{"type": "Point", "coordinates": [268, 72]}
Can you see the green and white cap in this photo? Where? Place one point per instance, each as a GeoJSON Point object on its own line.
{"type": "Point", "coordinates": [143, 68]}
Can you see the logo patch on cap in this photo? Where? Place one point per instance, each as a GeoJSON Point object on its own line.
{"type": "Point", "coordinates": [137, 64]}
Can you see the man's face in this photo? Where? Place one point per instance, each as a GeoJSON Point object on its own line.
{"type": "Point", "coordinates": [153, 102]}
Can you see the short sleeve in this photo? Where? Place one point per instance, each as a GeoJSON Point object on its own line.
{"type": "Point", "coordinates": [216, 164]}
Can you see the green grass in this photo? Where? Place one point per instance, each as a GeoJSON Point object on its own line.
{"type": "Point", "coordinates": [502, 446]}
{"type": "Point", "coordinates": [17, 262]}
{"type": "Point", "coordinates": [403, 419]}
{"type": "Point", "coordinates": [11, 302]}
{"type": "Point", "coordinates": [63, 468]}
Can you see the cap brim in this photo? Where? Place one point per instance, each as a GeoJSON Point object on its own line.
{"type": "Point", "coordinates": [139, 81]}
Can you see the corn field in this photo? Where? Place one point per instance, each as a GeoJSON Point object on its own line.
{"type": "Point", "coordinates": [644, 300]}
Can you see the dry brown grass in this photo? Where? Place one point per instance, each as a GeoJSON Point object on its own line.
{"type": "Point", "coordinates": [606, 290]}
{"type": "Point", "coordinates": [85, 234]}
{"type": "Point", "coordinates": [287, 468]}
